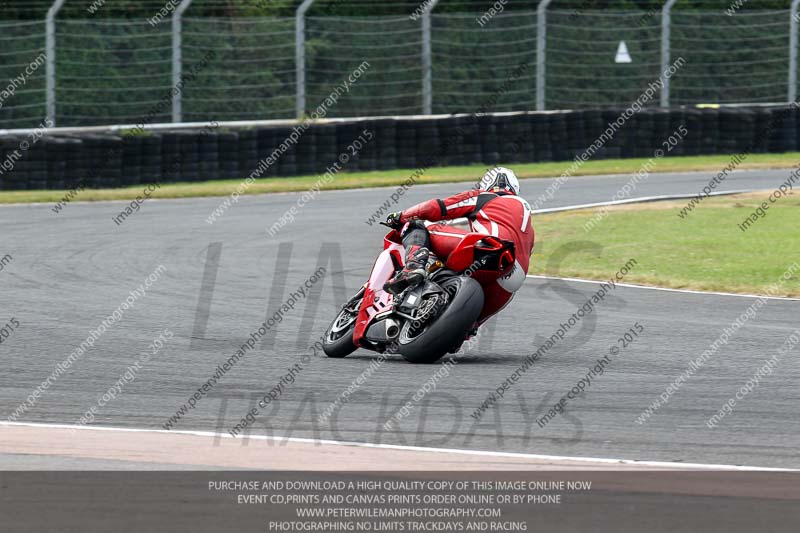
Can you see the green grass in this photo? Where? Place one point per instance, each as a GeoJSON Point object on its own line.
{"type": "Point", "coordinates": [354, 180]}
{"type": "Point", "coordinates": [704, 251]}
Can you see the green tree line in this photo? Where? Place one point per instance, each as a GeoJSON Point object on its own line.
{"type": "Point", "coordinates": [36, 9]}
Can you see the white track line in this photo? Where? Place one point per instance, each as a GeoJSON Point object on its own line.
{"type": "Point", "coordinates": [688, 291]}
{"type": "Point", "coordinates": [655, 464]}
{"type": "Point", "coordinates": [641, 199]}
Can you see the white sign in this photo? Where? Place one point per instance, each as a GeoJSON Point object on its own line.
{"type": "Point", "coordinates": [622, 54]}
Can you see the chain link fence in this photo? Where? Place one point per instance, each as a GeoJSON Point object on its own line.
{"type": "Point", "coordinates": [731, 59]}
{"type": "Point", "coordinates": [107, 71]}
{"type": "Point", "coordinates": [581, 58]}
{"type": "Point", "coordinates": [470, 61]}
{"type": "Point", "coordinates": [22, 96]}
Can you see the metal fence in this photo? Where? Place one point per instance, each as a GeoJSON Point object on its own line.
{"type": "Point", "coordinates": [100, 71]}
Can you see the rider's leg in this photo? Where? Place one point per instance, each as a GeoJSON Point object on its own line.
{"type": "Point", "coordinates": [444, 239]}
{"type": "Point", "coordinates": [498, 293]}
{"type": "Point", "coordinates": [495, 298]}
{"type": "Point", "coordinates": [417, 242]}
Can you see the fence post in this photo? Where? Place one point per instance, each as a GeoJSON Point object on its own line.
{"type": "Point", "coordinates": [50, 53]}
{"type": "Point", "coordinates": [427, 65]}
{"type": "Point", "coordinates": [666, 28]}
{"type": "Point", "coordinates": [541, 53]}
{"type": "Point", "coordinates": [793, 51]}
{"type": "Point", "coordinates": [300, 57]}
{"type": "Point", "coordinates": [177, 60]}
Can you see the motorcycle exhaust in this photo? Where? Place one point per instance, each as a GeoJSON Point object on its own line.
{"type": "Point", "coordinates": [383, 331]}
{"type": "Point", "coordinates": [392, 328]}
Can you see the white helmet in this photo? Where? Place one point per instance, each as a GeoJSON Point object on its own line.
{"type": "Point", "coordinates": [500, 178]}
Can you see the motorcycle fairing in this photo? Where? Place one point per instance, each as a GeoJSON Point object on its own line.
{"type": "Point", "coordinates": [377, 301]}
{"type": "Point", "coordinates": [490, 253]}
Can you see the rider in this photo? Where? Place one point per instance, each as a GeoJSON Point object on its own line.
{"type": "Point", "coordinates": [494, 208]}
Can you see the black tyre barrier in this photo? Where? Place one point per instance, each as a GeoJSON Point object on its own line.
{"type": "Point", "coordinates": [248, 154]}
{"type": "Point", "coordinates": [325, 138]}
{"type": "Point", "coordinates": [102, 160]}
{"type": "Point", "coordinates": [228, 155]}
{"type": "Point", "coordinates": [385, 133]}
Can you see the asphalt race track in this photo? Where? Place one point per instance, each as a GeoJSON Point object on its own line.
{"type": "Point", "coordinates": [72, 270]}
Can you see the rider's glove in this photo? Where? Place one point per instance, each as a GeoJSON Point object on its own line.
{"type": "Point", "coordinates": [393, 220]}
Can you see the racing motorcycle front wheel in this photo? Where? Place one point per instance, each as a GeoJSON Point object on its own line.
{"type": "Point", "coordinates": [338, 341]}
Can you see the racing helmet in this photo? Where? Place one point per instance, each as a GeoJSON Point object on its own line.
{"type": "Point", "coordinates": [500, 178]}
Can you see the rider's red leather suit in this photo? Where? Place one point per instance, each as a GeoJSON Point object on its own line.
{"type": "Point", "coordinates": [500, 214]}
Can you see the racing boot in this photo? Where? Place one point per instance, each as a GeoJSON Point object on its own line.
{"type": "Point", "coordinates": [412, 274]}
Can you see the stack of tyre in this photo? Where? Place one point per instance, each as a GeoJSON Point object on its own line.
{"type": "Point", "coordinates": [468, 142]}
{"type": "Point", "coordinates": [151, 158]}
{"type": "Point", "coordinates": [364, 145]}
{"type": "Point", "coordinates": [487, 129]}
{"type": "Point", "coordinates": [57, 157]}
{"type": "Point", "coordinates": [577, 138]}
{"type": "Point", "coordinates": [639, 135]}
{"type": "Point", "coordinates": [694, 127]}
{"type": "Point", "coordinates": [101, 160]}
{"type": "Point", "coordinates": [208, 155]}
{"type": "Point", "coordinates": [227, 155]}
{"type": "Point", "coordinates": [514, 139]}
{"type": "Point", "coordinates": [16, 171]}
{"type": "Point", "coordinates": [132, 155]}
{"type": "Point", "coordinates": [305, 150]}
{"type": "Point", "coordinates": [385, 139]}
{"type": "Point", "coordinates": [406, 143]}
{"type": "Point", "coordinates": [540, 136]}
{"type": "Point", "coordinates": [448, 137]}
{"type": "Point", "coordinates": [783, 136]}
{"type": "Point", "coordinates": [171, 158]}
{"type": "Point", "coordinates": [709, 137]}
{"type": "Point", "coordinates": [325, 140]}
{"type": "Point", "coordinates": [613, 147]}
{"type": "Point", "coordinates": [676, 126]}
{"type": "Point", "coordinates": [287, 163]}
{"type": "Point", "coordinates": [248, 153]}
{"type": "Point", "coordinates": [428, 144]}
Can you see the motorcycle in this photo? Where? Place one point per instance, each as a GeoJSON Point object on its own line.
{"type": "Point", "coordinates": [425, 322]}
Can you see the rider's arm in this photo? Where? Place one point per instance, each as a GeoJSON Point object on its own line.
{"type": "Point", "coordinates": [456, 206]}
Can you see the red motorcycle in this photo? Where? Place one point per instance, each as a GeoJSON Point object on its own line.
{"type": "Point", "coordinates": [425, 322]}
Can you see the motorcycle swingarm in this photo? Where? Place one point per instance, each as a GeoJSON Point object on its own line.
{"type": "Point", "coordinates": [413, 298]}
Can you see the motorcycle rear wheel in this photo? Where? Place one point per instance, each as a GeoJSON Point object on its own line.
{"type": "Point", "coordinates": [449, 328]}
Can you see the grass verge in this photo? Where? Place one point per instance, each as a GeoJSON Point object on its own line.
{"type": "Point", "coordinates": [706, 251]}
{"type": "Point", "coordinates": [355, 180]}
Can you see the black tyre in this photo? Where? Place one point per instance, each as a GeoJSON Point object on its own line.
{"type": "Point", "coordinates": [338, 341]}
{"type": "Point", "coordinates": [428, 344]}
